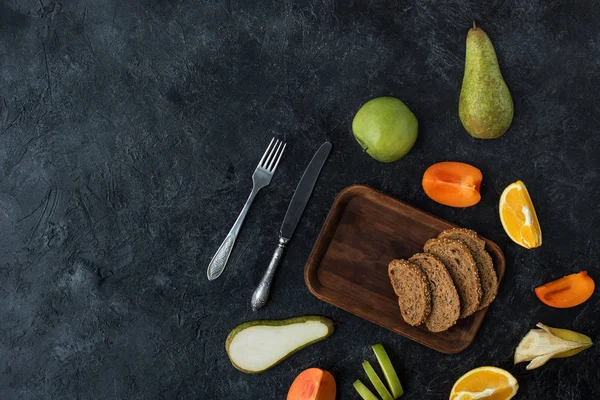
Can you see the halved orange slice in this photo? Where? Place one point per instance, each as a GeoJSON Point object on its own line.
{"type": "Point", "coordinates": [518, 216]}
{"type": "Point", "coordinates": [488, 383]}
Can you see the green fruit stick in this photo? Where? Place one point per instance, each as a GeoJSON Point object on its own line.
{"type": "Point", "coordinates": [376, 381]}
{"type": "Point", "coordinates": [388, 371]}
{"type": "Point", "coordinates": [364, 391]}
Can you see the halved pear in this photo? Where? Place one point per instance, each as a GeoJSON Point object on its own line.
{"type": "Point", "coordinates": [256, 346]}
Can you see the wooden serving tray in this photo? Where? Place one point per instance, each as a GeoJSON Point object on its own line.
{"type": "Point", "coordinates": [347, 268]}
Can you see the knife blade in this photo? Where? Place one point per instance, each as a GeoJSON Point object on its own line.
{"type": "Point", "coordinates": [303, 191]}
{"type": "Point", "coordinates": [290, 222]}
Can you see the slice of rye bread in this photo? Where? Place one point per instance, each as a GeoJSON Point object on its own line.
{"type": "Point", "coordinates": [445, 303]}
{"type": "Point", "coordinates": [412, 288]}
{"type": "Point", "coordinates": [460, 263]}
{"type": "Point", "coordinates": [485, 265]}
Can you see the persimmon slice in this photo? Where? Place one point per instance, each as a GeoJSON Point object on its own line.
{"type": "Point", "coordinates": [453, 184]}
{"type": "Point", "coordinates": [569, 291]}
{"type": "Point", "coordinates": [313, 384]}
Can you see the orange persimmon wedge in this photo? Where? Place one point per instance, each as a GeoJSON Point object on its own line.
{"type": "Point", "coordinates": [569, 291]}
{"type": "Point", "coordinates": [313, 384]}
{"type": "Point", "coordinates": [453, 184]}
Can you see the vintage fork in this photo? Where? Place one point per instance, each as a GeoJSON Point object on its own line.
{"type": "Point", "coordinates": [262, 177]}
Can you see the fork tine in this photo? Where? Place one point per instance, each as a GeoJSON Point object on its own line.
{"type": "Point", "coordinates": [266, 152]}
{"type": "Point", "coordinates": [279, 158]}
{"type": "Point", "coordinates": [270, 155]}
{"type": "Point", "coordinates": [272, 159]}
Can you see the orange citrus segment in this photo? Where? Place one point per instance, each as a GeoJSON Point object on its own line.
{"type": "Point", "coordinates": [518, 216]}
{"type": "Point", "coordinates": [488, 383]}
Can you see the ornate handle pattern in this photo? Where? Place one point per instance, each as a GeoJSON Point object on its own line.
{"type": "Point", "coordinates": [261, 294]}
{"type": "Point", "coordinates": [219, 260]}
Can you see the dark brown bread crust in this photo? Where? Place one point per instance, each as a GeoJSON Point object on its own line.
{"type": "Point", "coordinates": [412, 288]}
{"type": "Point", "coordinates": [445, 303]}
{"type": "Point", "coordinates": [462, 268]}
{"type": "Point", "coordinates": [485, 265]}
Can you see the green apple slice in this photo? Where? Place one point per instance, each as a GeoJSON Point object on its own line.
{"type": "Point", "coordinates": [256, 346]}
{"type": "Point", "coordinates": [388, 371]}
{"type": "Point", "coordinates": [364, 391]}
{"type": "Point", "coordinates": [376, 381]}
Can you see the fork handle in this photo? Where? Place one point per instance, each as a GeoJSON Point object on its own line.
{"type": "Point", "coordinates": [219, 260]}
{"type": "Point", "coordinates": [261, 294]}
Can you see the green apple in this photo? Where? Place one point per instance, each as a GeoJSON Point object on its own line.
{"type": "Point", "coordinates": [385, 128]}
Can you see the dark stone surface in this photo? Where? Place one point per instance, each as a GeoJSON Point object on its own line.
{"type": "Point", "coordinates": [128, 134]}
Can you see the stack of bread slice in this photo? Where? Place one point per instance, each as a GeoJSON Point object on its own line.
{"type": "Point", "coordinates": [452, 279]}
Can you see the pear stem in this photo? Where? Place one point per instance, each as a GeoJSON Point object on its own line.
{"type": "Point", "coordinates": [474, 26]}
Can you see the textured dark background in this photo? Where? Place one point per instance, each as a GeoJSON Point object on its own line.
{"type": "Point", "coordinates": [129, 132]}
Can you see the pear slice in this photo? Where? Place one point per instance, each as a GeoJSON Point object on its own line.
{"type": "Point", "coordinates": [256, 346]}
{"type": "Point", "coordinates": [541, 345]}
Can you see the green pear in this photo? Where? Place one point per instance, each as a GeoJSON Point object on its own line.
{"type": "Point", "coordinates": [385, 128]}
{"type": "Point", "coordinates": [256, 346]}
{"type": "Point", "coordinates": [485, 107]}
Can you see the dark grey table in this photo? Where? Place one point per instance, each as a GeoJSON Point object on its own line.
{"type": "Point", "coordinates": [129, 132]}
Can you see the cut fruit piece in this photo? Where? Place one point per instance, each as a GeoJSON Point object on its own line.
{"type": "Point", "coordinates": [541, 345]}
{"type": "Point", "coordinates": [485, 383]}
{"type": "Point", "coordinates": [518, 216]}
{"type": "Point", "coordinates": [312, 384]}
{"type": "Point", "coordinates": [453, 184]}
{"type": "Point", "coordinates": [363, 391]}
{"type": "Point", "coordinates": [256, 346]}
{"type": "Point", "coordinates": [573, 337]}
{"type": "Point", "coordinates": [388, 370]}
{"type": "Point", "coordinates": [569, 291]}
{"type": "Point", "coordinates": [376, 381]}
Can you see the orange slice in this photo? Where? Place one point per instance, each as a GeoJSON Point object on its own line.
{"type": "Point", "coordinates": [488, 383]}
{"type": "Point", "coordinates": [518, 216]}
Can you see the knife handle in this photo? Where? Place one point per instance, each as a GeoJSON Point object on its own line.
{"type": "Point", "coordinates": [261, 294]}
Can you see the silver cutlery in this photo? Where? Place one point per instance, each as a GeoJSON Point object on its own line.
{"type": "Point", "coordinates": [260, 178]}
{"type": "Point", "coordinates": [292, 217]}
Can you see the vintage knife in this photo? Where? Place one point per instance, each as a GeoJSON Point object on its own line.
{"type": "Point", "coordinates": [292, 216]}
